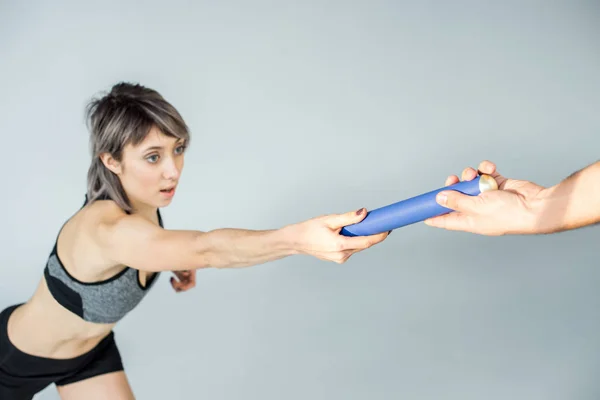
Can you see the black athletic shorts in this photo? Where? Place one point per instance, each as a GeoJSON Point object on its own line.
{"type": "Point", "coordinates": [23, 375]}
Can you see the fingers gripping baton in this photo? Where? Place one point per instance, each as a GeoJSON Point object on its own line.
{"type": "Point", "coordinates": [415, 209]}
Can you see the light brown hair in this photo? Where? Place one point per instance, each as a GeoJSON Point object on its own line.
{"type": "Point", "coordinates": [124, 116]}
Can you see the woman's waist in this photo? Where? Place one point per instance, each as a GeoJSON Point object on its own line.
{"type": "Point", "coordinates": [46, 331]}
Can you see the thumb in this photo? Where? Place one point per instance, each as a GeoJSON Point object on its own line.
{"type": "Point", "coordinates": [451, 222]}
{"type": "Point", "coordinates": [457, 201]}
{"type": "Point", "coordinates": [338, 221]}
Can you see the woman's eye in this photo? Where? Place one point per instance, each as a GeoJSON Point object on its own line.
{"type": "Point", "coordinates": [153, 158]}
{"type": "Point", "coordinates": [180, 149]}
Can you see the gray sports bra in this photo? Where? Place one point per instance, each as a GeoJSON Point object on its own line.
{"type": "Point", "coordinates": [105, 301]}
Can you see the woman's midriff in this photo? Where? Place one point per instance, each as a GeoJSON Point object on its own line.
{"type": "Point", "coordinates": [41, 327]}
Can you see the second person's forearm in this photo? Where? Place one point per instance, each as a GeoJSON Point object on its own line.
{"type": "Point", "coordinates": [573, 203]}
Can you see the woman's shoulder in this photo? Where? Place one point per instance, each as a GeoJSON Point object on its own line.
{"type": "Point", "coordinates": [102, 210]}
{"type": "Point", "coordinates": [92, 216]}
{"type": "Point", "coordinates": [78, 243]}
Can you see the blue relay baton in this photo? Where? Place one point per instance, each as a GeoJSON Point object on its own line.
{"type": "Point", "coordinates": [415, 209]}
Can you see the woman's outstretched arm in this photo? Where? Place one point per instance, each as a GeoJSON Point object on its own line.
{"type": "Point", "coordinates": [132, 240]}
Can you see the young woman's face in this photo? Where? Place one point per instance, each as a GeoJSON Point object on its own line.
{"type": "Point", "coordinates": [150, 171]}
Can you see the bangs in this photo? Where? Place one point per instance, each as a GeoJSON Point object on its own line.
{"type": "Point", "coordinates": [142, 117]}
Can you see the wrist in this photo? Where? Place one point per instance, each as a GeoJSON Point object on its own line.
{"type": "Point", "coordinates": [533, 221]}
{"type": "Point", "coordinates": [287, 239]}
{"type": "Point", "coordinates": [548, 211]}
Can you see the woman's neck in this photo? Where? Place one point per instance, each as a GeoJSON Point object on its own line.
{"type": "Point", "coordinates": [147, 211]}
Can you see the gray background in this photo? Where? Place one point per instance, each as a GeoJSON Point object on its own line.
{"type": "Point", "coordinates": [304, 108]}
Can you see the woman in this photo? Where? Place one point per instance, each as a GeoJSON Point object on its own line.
{"type": "Point", "coordinates": [108, 255]}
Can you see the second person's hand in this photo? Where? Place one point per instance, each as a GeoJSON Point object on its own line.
{"type": "Point", "coordinates": [499, 212]}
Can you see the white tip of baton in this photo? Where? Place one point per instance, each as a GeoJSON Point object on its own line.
{"type": "Point", "coordinates": [487, 183]}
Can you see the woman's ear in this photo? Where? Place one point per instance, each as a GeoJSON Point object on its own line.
{"type": "Point", "coordinates": [110, 163]}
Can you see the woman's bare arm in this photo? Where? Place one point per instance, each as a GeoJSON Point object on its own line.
{"type": "Point", "coordinates": [131, 240]}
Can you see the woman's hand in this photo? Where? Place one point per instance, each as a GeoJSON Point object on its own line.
{"type": "Point", "coordinates": [320, 237]}
{"type": "Point", "coordinates": [185, 280]}
{"type": "Point", "coordinates": [499, 212]}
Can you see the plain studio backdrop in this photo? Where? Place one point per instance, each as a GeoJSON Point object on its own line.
{"type": "Point", "coordinates": [298, 109]}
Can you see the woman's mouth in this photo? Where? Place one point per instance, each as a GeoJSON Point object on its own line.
{"type": "Point", "coordinates": [168, 192]}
